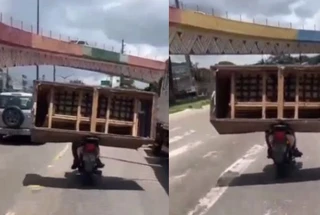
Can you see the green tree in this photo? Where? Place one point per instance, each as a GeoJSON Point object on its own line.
{"type": "Point", "coordinates": [225, 63]}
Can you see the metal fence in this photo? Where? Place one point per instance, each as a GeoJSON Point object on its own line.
{"type": "Point", "coordinates": [240, 17]}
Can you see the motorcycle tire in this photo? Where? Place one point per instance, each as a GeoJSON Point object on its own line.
{"type": "Point", "coordinates": [87, 179]}
{"type": "Point", "coordinates": [156, 150]}
{"type": "Point", "coordinates": [281, 170]}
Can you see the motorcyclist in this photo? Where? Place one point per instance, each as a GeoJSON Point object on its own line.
{"type": "Point", "coordinates": [76, 160]}
{"type": "Point", "coordinates": [290, 135]}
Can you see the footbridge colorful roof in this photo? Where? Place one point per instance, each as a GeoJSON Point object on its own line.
{"type": "Point", "coordinates": [22, 48]}
{"type": "Point", "coordinates": [191, 22]}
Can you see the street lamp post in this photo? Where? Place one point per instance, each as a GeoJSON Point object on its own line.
{"type": "Point", "coordinates": [38, 31]}
{"type": "Point", "coordinates": [177, 3]}
{"type": "Point", "coordinates": [54, 73]}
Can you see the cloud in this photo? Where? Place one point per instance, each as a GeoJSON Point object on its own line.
{"type": "Point", "coordinates": [307, 9]}
{"type": "Point", "coordinates": [247, 7]}
{"type": "Point", "coordinates": [137, 22]}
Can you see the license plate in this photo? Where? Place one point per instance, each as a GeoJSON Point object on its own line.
{"type": "Point", "coordinates": [279, 152]}
{"type": "Point", "coordinates": [89, 157]}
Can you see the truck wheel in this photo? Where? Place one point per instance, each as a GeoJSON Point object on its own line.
{"type": "Point", "coordinates": [156, 150]}
{"type": "Point", "coordinates": [157, 146]}
{"type": "Point", "coordinates": [12, 117]}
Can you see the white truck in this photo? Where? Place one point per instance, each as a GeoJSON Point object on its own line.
{"type": "Point", "coordinates": [162, 130]}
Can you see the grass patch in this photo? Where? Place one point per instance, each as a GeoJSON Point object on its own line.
{"type": "Point", "coordinates": [182, 105]}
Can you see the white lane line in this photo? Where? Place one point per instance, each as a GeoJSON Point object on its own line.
{"type": "Point", "coordinates": [237, 168]}
{"type": "Point", "coordinates": [177, 138]}
{"type": "Point", "coordinates": [61, 153]}
{"type": "Point", "coordinates": [184, 149]}
{"type": "Point", "coordinates": [179, 177]}
{"type": "Point", "coordinates": [174, 129]}
{"type": "Point", "coordinates": [209, 154]}
{"type": "Point", "coordinates": [10, 213]}
{"type": "Point", "coordinates": [269, 212]}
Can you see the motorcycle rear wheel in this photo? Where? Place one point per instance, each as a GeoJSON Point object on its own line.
{"type": "Point", "coordinates": [281, 170]}
{"type": "Point", "coordinates": [87, 179]}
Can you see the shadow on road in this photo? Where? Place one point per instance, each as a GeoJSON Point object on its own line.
{"type": "Point", "coordinates": [18, 141]}
{"type": "Point", "coordinates": [162, 173]}
{"type": "Point", "coordinates": [268, 176]}
{"type": "Point", "coordinates": [73, 180]}
{"type": "Point", "coordinates": [132, 162]}
{"type": "Point", "coordinates": [160, 166]}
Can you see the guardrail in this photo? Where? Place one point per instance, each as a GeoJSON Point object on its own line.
{"type": "Point", "coordinates": [19, 24]}
{"type": "Point", "coordinates": [242, 18]}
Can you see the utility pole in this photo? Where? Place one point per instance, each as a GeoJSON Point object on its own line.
{"type": "Point", "coordinates": [177, 3]}
{"type": "Point", "coordinates": [122, 52]}
{"type": "Point", "coordinates": [2, 80]}
{"type": "Point", "coordinates": [123, 45]}
{"type": "Point", "coordinates": [54, 73]}
{"type": "Point", "coordinates": [300, 58]}
{"type": "Point", "coordinates": [7, 78]}
{"type": "Point", "coordinates": [38, 31]}
{"type": "Point", "coordinates": [187, 57]}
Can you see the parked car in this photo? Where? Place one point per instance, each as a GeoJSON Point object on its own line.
{"type": "Point", "coordinates": [16, 114]}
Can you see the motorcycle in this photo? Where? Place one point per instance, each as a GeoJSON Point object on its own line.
{"type": "Point", "coordinates": [88, 153]}
{"type": "Point", "coordinates": [281, 147]}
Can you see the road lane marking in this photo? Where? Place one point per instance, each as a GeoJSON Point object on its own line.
{"type": "Point", "coordinates": [35, 187]}
{"type": "Point", "coordinates": [184, 149]}
{"type": "Point", "coordinates": [269, 212]}
{"type": "Point", "coordinates": [61, 153]}
{"type": "Point", "coordinates": [179, 177]}
{"type": "Point", "coordinates": [237, 168]}
{"type": "Point", "coordinates": [177, 138]}
{"type": "Point", "coordinates": [209, 154]}
{"type": "Point", "coordinates": [172, 115]}
{"type": "Point", "coordinates": [174, 129]}
{"type": "Point", "coordinates": [10, 213]}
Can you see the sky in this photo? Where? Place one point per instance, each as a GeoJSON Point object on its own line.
{"type": "Point", "coordinates": [143, 24]}
{"type": "Point", "coordinates": [302, 14]}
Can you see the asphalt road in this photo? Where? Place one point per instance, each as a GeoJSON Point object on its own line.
{"type": "Point", "coordinates": [230, 174]}
{"type": "Point", "coordinates": [37, 180]}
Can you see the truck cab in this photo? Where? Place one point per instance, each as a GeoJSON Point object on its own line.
{"type": "Point", "coordinates": [162, 130]}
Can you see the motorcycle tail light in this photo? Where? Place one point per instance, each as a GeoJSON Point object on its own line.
{"type": "Point", "coordinates": [279, 135]}
{"type": "Point", "coordinates": [89, 147]}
